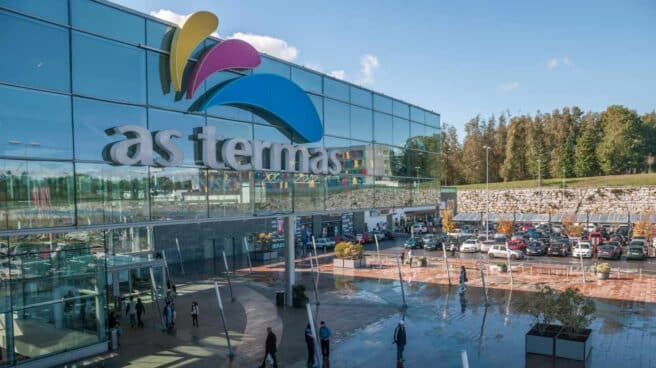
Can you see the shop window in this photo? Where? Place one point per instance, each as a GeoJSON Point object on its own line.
{"type": "Point", "coordinates": [35, 54]}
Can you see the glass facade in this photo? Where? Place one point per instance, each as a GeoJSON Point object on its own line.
{"type": "Point", "coordinates": [98, 66]}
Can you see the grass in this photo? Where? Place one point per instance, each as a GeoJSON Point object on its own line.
{"type": "Point", "coordinates": [594, 181]}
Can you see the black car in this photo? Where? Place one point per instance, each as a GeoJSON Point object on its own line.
{"type": "Point", "coordinates": [609, 251]}
{"type": "Point", "coordinates": [535, 249]}
{"type": "Point", "coordinates": [558, 249]}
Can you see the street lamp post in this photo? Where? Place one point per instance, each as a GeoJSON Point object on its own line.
{"type": "Point", "coordinates": [487, 191]}
{"type": "Point", "coordinates": [540, 187]}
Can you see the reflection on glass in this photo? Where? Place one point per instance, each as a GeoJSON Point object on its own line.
{"type": "Point", "coordinates": [183, 123]}
{"type": "Point", "coordinates": [383, 128]}
{"type": "Point", "coordinates": [35, 124]}
{"type": "Point", "coordinates": [401, 109]}
{"type": "Point", "coordinates": [383, 103]}
{"type": "Point", "coordinates": [337, 118]}
{"type": "Point", "coordinates": [108, 69]}
{"type": "Point", "coordinates": [212, 83]}
{"type": "Point", "coordinates": [178, 193]}
{"type": "Point", "coordinates": [416, 114]}
{"type": "Point", "coordinates": [309, 81]}
{"type": "Point", "coordinates": [27, 59]}
{"type": "Point", "coordinates": [361, 97]}
{"type": "Point", "coordinates": [272, 192]}
{"type": "Point", "coordinates": [160, 92]}
{"type": "Point", "coordinates": [271, 66]}
{"type": "Point", "coordinates": [401, 131]}
{"type": "Point", "coordinates": [128, 240]}
{"type": "Point", "coordinates": [36, 194]}
{"type": "Point", "coordinates": [426, 192]}
{"type": "Point", "coordinates": [338, 192]}
{"type": "Point", "coordinates": [432, 119]}
{"type": "Point", "coordinates": [308, 192]}
{"type": "Point", "coordinates": [336, 89]}
{"type": "Point", "coordinates": [53, 10]}
{"type": "Point", "coordinates": [124, 26]}
{"type": "Point", "coordinates": [111, 194]}
{"type": "Point", "coordinates": [229, 193]}
{"type": "Point", "coordinates": [361, 124]}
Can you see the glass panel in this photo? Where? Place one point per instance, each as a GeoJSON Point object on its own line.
{"type": "Point", "coordinates": [127, 240]}
{"type": "Point", "coordinates": [336, 115]}
{"type": "Point", "coordinates": [418, 161]}
{"type": "Point", "coordinates": [417, 130]}
{"type": "Point", "coordinates": [184, 123]}
{"type": "Point", "coordinates": [111, 194]}
{"type": "Point", "coordinates": [401, 132]}
{"type": "Point", "coordinates": [159, 36]}
{"type": "Point", "coordinates": [178, 193]}
{"type": "Point", "coordinates": [416, 114]}
{"type": "Point", "coordinates": [361, 124]}
{"type": "Point", "coordinates": [382, 157]}
{"type": "Point", "coordinates": [336, 89]}
{"type": "Point", "coordinates": [107, 21]}
{"type": "Point", "coordinates": [267, 133]}
{"type": "Point", "coordinates": [272, 192]}
{"type": "Point", "coordinates": [271, 66]}
{"type": "Point", "coordinates": [39, 54]}
{"type": "Point", "coordinates": [53, 10]}
{"type": "Point", "coordinates": [229, 193]}
{"type": "Point", "coordinates": [35, 124]}
{"type": "Point", "coordinates": [318, 104]}
{"type": "Point", "coordinates": [308, 80]}
{"type": "Point", "coordinates": [392, 192]}
{"type": "Point", "coordinates": [383, 128]}
{"type": "Point", "coordinates": [108, 69]}
{"type": "Point", "coordinates": [308, 192]}
{"type": "Point", "coordinates": [360, 97]}
{"type": "Point", "coordinates": [91, 120]}
{"type": "Point", "coordinates": [401, 109]}
{"type": "Point", "coordinates": [36, 194]}
{"type": "Point", "coordinates": [211, 84]}
{"type": "Point", "coordinates": [354, 159]}
{"type": "Point", "coordinates": [432, 119]}
{"type": "Point", "coordinates": [232, 129]}
{"type": "Point", "coordinates": [382, 103]}
{"type": "Point", "coordinates": [338, 192]}
{"type": "Point", "coordinates": [160, 92]}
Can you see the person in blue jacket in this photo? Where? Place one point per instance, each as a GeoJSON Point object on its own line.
{"type": "Point", "coordinates": [324, 336]}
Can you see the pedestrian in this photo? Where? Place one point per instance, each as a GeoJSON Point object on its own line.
{"type": "Point", "coordinates": [309, 341]}
{"type": "Point", "coordinates": [410, 257]}
{"type": "Point", "coordinates": [131, 310]}
{"type": "Point", "coordinates": [324, 336]}
{"type": "Point", "coordinates": [463, 280]}
{"type": "Point", "coordinates": [169, 316]}
{"type": "Point", "coordinates": [400, 340]}
{"type": "Point", "coordinates": [140, 311]}
{"type": "Point", "coordinates": [119, 332]}
{"type": "Point", "coordinates": [402, 256]}
{"type": "Point", "coordinates": [270, 349]}
{"type": "Point", "coordinates": [194, 314]}
{"type": "Point", "coordinates": [111, 320]}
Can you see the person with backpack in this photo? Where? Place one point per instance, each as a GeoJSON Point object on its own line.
{"type": "Point", "coordinates": [140, 311]}
{"type": "Point", "coordinates": [400, 340]}
{"type": "Point", "coordinates": [194, 314]}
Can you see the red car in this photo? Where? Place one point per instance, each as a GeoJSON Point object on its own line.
{"type": "Point", "coordinates": [517, 244]}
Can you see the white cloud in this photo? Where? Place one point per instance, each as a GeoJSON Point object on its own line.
{"type": "Point", "coordinates": [269, 45]}
{"type": "Point", "coordinates": [173, 17]}
{"type": "Point", "coordinates": [369, 64]}
{"type": "Point", "coordinates": [508, 87]}
{"type": "Point", "coordinates": [555, 62]}
{"type": "Point", "coordinates": [339, 74]}
{"type": "Point", "coordinates": [313, 66]}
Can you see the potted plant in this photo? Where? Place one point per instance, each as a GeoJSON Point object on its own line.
{"type": "Point", "coordinates": [499, 267]}
{"type": "Point", "coordinates": [603, 271]}
{"type": "Point", "coordinates": [299, 299]}
{"type": "Point", "coordinates": [540, 339]}
{"type": "Point", "coordinates": [422, 261]}
{"type": "Point", "coordinates": [574, 311]}
{"type": "Point", "coordinates": [349, 255]}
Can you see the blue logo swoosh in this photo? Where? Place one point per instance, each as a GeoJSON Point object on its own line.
{"type": "Point", "coordinates": [274, 98]}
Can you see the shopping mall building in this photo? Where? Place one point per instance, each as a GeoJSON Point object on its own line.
{"type": "Point", "coordinates": [128, 144]}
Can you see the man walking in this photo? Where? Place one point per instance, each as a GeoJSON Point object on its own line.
{"type": "Point", "coordinates": [309, 341]}
{"type": "Point", "coordinates": [194, 314]}
{"type": "Point", "coordinates": [324, 336]}
{"type": "Point", "coordinates": [399, 340]}
{"type": "Point", "coordinates": [270, 349]}
{"type": "Point", "coordinates": [140, 311]}
{"type": "Point", "coordinates": [131, 310]}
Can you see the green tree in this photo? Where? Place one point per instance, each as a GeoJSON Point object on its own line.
{"type": "Point", "coordinates": [586, 162]}
{"type": "Point", "coordinates": [537, 158]}
{"type": "Point", "coordinates": [622, 147]}
{"type": "Point", "coordinates": [498, 154]}
{"type": "Point", "coordinates": [473, 171]}
{"type": "Point", "coordinates": [450, 156]}
{"type": "Point", "coordinates": [514, 165]}
{"type": "Point", "coordinates": [649, 127]}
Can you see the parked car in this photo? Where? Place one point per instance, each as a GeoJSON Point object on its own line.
{"type": "Point", "coordinates": [486, 245]}
{"type": "Point", "coordinates": [500, 251]}
{"type": "Point", "coordinates": [609, 251]}
{"type": "Point", "coordinates": [535, 249]}
{"type": "Point", "coordinates": [582, 249]}
{"type": "Point", "coordinates": [381, 235]}
{"type": "Point", "coordinates": [558, 249]}
{"type": "Point", "coordinates": [419, 228]}
{"type": "Point", "coordinates": [517, 244]}
{"type": "Point", "coordinates": [364, 238]}
{"type": "Point", "coordinates": [590, 228]}
{"type": "Point", "coordinates": [325, 243]}
{"type": "Point", "coordinates": [500, 239]}
{"type": "Point", "coordinates": [470, 246]}
{"type": "Point", "coordinates": [635, 252]}
{"type": "Point", "coordinates": [413, 243]}
{"type": "Point", "coordinates": [430, 243]}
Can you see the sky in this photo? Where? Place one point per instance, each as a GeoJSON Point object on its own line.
{"type": "Point", "coordinates": [458, 58]}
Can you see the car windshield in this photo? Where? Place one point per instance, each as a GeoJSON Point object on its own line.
{"type": "Point", "coordinates": [584, 246]}
{"type": "Point", "coordinates": [635, 249]}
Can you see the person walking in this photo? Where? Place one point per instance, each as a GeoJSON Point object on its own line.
{"type": "Point", "coordinates": [410, 257]}
{"type": "Point", "coordinates": [402, 256]}
{"type": "Point", "coordinates": [140, 311]}
{"type": "Point", "coordinates": [463, 280]}
{"type": "Point", "coordinates": [309, 341]}
{"type": "Point", "coordinates": [400, 340]}
{"type": "Point", "coordinates": [270, 349]}
{"type": "Point", "coordinates": [131, 310]}
{"type": "Point", "coordinates": [194, 314]}
{"type": "Point", "coordinates": [324, 336]}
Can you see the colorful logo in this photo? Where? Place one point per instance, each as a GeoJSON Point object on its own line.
{"type": "Point", "coordinates": [275, 99]}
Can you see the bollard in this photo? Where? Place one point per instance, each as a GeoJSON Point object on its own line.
{"type": "Point", "coordinates": [231, 355]}
{"type": "Point", "coordinates": [398, 264]}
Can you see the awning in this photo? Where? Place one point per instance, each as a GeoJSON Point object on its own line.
{"type": "Point", "coordinates": [555, 217]}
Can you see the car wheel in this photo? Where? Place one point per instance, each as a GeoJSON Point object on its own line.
{"type": "Point", "coordinates": [513, 257]}
{"type": "Point", "coordinates": [490, 255]}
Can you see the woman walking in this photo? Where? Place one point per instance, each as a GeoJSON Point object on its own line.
{"type": "Point", "coordinates": [463, 280]}
{"type": "Point", "coordinates": [194, 314]}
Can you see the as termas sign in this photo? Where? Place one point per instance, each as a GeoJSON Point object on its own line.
{"type": "Point", "coordinates": [275, 99]}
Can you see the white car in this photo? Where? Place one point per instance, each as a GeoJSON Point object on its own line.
{"type": "Point", "coordinates": [486, 245]}
{"type": "Point", "coordinates": [500, 251]}
{"type": "Point", "coordinates": [324, 243]}
{"type": "Point", "coordinates": [470, 246]}
{"type": "Point", "coordinates": [419, 228]}
{"type": "Point", "coordinates": [582, 249]}
{"type": "Point", "coordinates": [590, 228]}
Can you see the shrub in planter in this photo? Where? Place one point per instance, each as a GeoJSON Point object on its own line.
{"type": "Point", "coordinates": [499, 267]}
{"type": "Point", "coordinates": [574, 311]}
{"type": "Point", "coordinates": [542, 307]}
{"type": "Point", "coordinates": [422, 261]}
{"type": "Point", "coordinates": [299, 299]}
{"type": "Point", "coordinates": [603, 271]}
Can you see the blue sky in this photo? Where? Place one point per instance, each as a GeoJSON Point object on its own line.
{"type": "Point", "coordinates": [459, 58]}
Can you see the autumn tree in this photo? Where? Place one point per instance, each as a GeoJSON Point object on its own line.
{"type": "Point", "coordinates": [505, 227]}
{"type": "Point", "coordinates": [448, 226]}
{"type": "Point", "coordinates": [570, 225]}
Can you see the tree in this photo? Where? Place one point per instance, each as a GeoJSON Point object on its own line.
{"type": "Point", "coordinates": [514, 165]}
{"type": "Point", "coordinates": [649, 127]}
{"type": "Point", "coordinates": [622, 148]}
{"type": "Point", "coordinates": [572, 229]}
{"type": "Point", "coordinates": [505, 227]}
{"type": "Point", "coordinates": [474, 169]}
{"type": "Point", "coordinates": [450, 156]}
{"type": "Point", "coordinates": [448, 226]}
{"type": "Point", "coordinates": [538, 161]}
{"type": "Point", "coordinates": [586, 163]}
{"type": "Point", "coordinates": [498, 154]}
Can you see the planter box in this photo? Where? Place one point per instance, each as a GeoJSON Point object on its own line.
{"type": "Point", "coordinates": [418, 263]}
{"type": "Point", "coordinates": [543, 344]}
{"type": "Point", "coordinates": [573, 347]}
{"type": "Point", "coordinates": [495, 268]}
{"type": "Point", "coordinates": [354, 263]}
{"type": "Point", "coordinates": [603, 275]}
{"type": "Point", "coordinates": [338, 262]}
